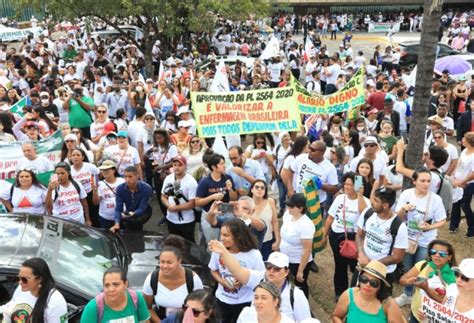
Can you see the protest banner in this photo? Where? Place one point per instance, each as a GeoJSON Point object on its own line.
{"type": "Point", "coordinates": [258, 111]}
{"type": "Point", "coordinates": [8, 34]}
{"type": "Point", "coordinates": [348, 98]}
{"type": "Point", "coordinates": [443, 313]}
{"type": "Point", "coordinates": [17, 108]}
{"type": "Point", "coordinates": [383, 27]}
{"type": "Point", "coordinates": [11, 153]}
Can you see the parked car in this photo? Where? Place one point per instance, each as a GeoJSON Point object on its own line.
{"type": "Point", "coordinates": [409, 52]}
{"type": "Point", "coordinates": [78, 256]}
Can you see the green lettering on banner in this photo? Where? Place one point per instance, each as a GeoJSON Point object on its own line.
{"type": "Point", "coordinates": [248, 112]}
{"type": "Point", "coordinates": [351, 96]}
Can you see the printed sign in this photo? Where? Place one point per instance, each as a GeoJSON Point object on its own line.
{"type": "Point", "coordinates": [348, 98]}
{"type": "Point", "coordinates": [383, 27]}
{"type": "Point", "coordinates": [234, 113]}
{"type": "Point", "coordinates": [436, 312]}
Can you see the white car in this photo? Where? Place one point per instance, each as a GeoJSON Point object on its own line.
{"type": "Point", "coordinates": [114, 34]}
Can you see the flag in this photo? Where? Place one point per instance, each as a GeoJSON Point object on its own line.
{"type": "Point", "coordinates": [161, 74]}
{"type": "Point", "coordinates": [17, 108]}
{"type": "Point", "coordinates": [315, 212]}
{"type": "Point", "coordinates": [221, 84]}
{"type": "Point", "coordinates": [308, 49]}
{"type": "Point", "coordinates": [148, 107]}
{"type": "Point", "coordinates": [43, 178]}
{"type": "Point", "coordinates": [84, 36]}
{"type": "Point", "coordinates": [272, 49]}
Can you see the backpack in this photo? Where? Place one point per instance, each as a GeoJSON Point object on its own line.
{"type": "Point", "coordinates": [445, 191]}
{"type": "Point", "coordinates": [393, 227]}
{"type": "Point", "coordinates": [99, 299]}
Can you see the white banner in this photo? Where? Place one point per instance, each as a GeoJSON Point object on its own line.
{"type": "Point", "coordinates": [383, 27]}
{"type": "Point", "coordinates": [436, 312]}
{"type": "Point", "coordinates": [12, 34]}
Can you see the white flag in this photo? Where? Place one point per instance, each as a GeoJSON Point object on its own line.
{"type": "Point", "coordinates": [148, 107]}
{"type": "Point", "coordinates": [272, 49]}
{"type": "Point", "coordinates": [162, 71]}
{"type": "Point", "coordinates": [308, 49]}
{"type": "Point", "coordinates": [221, 84]}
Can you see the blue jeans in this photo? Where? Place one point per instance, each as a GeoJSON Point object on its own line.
{"type": "Point", "coordinates": [282, 193]}
{"type": "Point", "coordinates": [410, 260]}
{"type": "Point", "coordinates": [465, 205]}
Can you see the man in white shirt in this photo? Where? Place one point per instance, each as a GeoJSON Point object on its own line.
{"type": "Point", "coordinates": [371, 146]}
{"type": "Point", "coordinates": [274, 71]}
{"type": "Point", "coordinates": [38, 164]}
{"type": "Point", "coordinates": [310, 68]}
{"type": "Point", "coordinates": [136, 131]}
{"type": "Point", "coordinates": [332, 73]}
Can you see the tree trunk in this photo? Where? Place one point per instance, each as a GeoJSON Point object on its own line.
{"type": "Point", "coordinates": [424, 76]}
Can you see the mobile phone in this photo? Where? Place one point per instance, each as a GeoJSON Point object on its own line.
{"type": "Point", "coordinates": [226, 208]}
{"type": "Point", "coordinates": [53, 178]}
{"type": "Point", "coordinates": [420, 279]}
{"type": "Point", "coordinates": [358, 182]}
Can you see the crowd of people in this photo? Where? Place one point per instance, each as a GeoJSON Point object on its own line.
{"type": "Point", "coordinates": [130, 137]}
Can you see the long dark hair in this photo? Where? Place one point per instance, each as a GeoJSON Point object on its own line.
{"type": "Point", "coordinates": [243, 238]}
{"type": "Point", "coordinates": [85, 159]}
{"type": "Point", "coordinates": [161, 132]}
{"type": "Point", "coordinates": [33, 178]}
{"type": "Point", "coordinates": [261, 181]}
{"type": "Point", "coordinates": [208, 302]}
{"type": "Point", "coordinates": [355, 142]}
{"type": "Point", "coordinates": [453, 262]}
{"type": "Point", "coordinates": [40, 269]}
{"type": "Point", "coordinates": [257, 137]}
{"type": "Point", "coordinates": [7, 123]}
{"type": "Point", "coordinates": [43, 116]}
{"type": "Point", "coordinates": [298, 146]}
{"type": "Point", "coordinates": [370, 178]}
{"type": "Point", "coordinates": [82, 139]}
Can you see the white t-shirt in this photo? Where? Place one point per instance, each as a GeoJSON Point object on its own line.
{"type": "Point", "coordinates": [335, 70]}
{"type": "Point", "coordinates": [137, 133]}
{"type": "Point", "coordinates": [292, 232]}
{"type": "Point", "coordinates": [97, 128]}
{"type": "Point", "coordinates": [280, 156]}
{"type": "Point", "coordinates": [351, 213]}
{"type": "Point", "coordinates": [254, 152]}
{"type": "Point", "coordinates": [287, 165]}
{"type": "Point", "coordinates": [24, 303]}
{"type": "Point", "coordinates": [4, 194]}
{"type": "Point", "coordinates": [378, 238]}
{"type": "Point", "coordinates": [107, 198]}
{"type": "Point", "coordinates": [249, 314]}
{"type": "Point", "coordinates": [68, 204]}
{"type": "Point", "coordinates": [452, 155]}
{"type": "Point", "coordinates": [310, 68]}
{"type": "Point", "coordinates": [84, 175]}
{"type": "Point", "coordinates": [401, 107]}
{"type": "Point", "coordinates": [172, 299]}
{"type": "Point", "coordinates": [29, 201]}
{"type": "Point", "coordinates": [122, 157]}
{"type": "Point", "coordinates": [251, 260]}
{"type": "Point", "coordinates": [188, 187]}
{"type": "Point", "coordinates": [275, 71]}
{"type": "Point", "coordinates": [436, 213]}
{"type": "Point", "coordinates": [465, 166]}
{"type": "Point", "coordinates": [39, 165]}
{"type": "Point", "coordinates": [451, 298]}
{"type": "Point", "coordinates": [306, 169]}
{"type": "Point", "coordinates": [380, 166]}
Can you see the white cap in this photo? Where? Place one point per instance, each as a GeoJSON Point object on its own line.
{"type": "Point", "coordinates": [183, 123]}
{"type": "Point", "coordinates": [371, 140]}
{"type": "Point", "coordinates": [466, 267]}
{"type": "Point", "coordinates": [44, 93]}
{"type": "Point", "coordinates": [183, 109]}
{"type": "Point", "coordinates": [278, 259]}
{"type": "Point", "coordinates": [70, 136]}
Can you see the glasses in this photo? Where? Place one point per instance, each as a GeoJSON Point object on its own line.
{"type": "Point", "coordinates": [195, 141]}
{"type": "Point", "coordinates": [372, 282]}
{"type": "Point", "coordinates": [259, 187]}
{"type": "Point", "coordinates": [69, 141]}
{"type": "Point", "coordinates": [76, 132]}
{"type": "Point", "coordinates": [370, 145]}
{"type": "Point", "coordinates": [272, 267]}
{"type": "Point", "coordinates": [170, 120]}
{"type": "Point", "coordinates": [24, 279]}
{"type": "Point", "coordinates": [441, 253]}
{"type": "Point", "coordinates": [259, 142]}
{"type": "Point", "coordinates": [459, 274]}
{"type": "Point", "coordinates": [100, 111]}
{"type": "Point", "coordinates": [196, 312]}
{"type": "Point", "coordinates": [437, 137]}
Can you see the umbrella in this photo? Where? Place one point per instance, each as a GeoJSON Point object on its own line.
{"type": "Point", "coordinates": [455, 65]}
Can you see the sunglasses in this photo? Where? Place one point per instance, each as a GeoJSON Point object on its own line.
{"type": "Point", "coordinates": [460, 275]}
{"type": "Point", "coordinates": [272, 267]}
{"type": "Point", "coordinates": [101, 111]}
{"type": "Point", "coordinates": [196, 312]}
{"type": "Point", "coordinates": [259, 187]}
{"type": "Point", "coordinates": [442, 254]}
{"type": "Point", "coordinates": [370, 145]}
{"type": "Point", "coordinates": [69, 141]}
{"type": "Point", "coordinates": [259, 142]}
{"type": "Point", "coordinates": [195, 141]}
{"type": "Point", "coordinates": [23, 279]}
{"type": "Point", "coordinates": [372, 282]}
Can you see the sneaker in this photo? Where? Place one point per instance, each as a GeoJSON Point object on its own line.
{"type": "Point", "coordinates": [453, 230]}
{"type": "Point", "coordinates": [403, 300]}
{"type": "Point", "coordinates": [313, 267]}
{"type": "Point", "coordinates": [280, 214]}
{"type": "Point", "coordinates": [162, 221]}
{"type": "Point", "coordinates": [470, 235]}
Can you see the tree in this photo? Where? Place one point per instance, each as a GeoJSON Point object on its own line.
{"type": "Point", "coordinates": [424, 76]}
{"type": "Point", "coordinates": [159, 19]}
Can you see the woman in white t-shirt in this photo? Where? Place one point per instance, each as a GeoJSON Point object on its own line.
{"type": "Point", "coordinates": [450, 166]}
{"type": "Point", "coordinates": [424, 214]}
{"type": "Point", "coordinates": [344, 213]}
{"type": "Point", "coordinates": [266, 306]}
{"type": "Point", "coordinates": [460, 296]}
{"type": "Point", "coordinates": [194, 154]}
{"type": "Point", "coordinates": [172, 285]}
{"type": "Point", "coordinates": [65, 197]}
{"type": "Point", "coordinates": [259, 152]}
{"type": "Point", "coordinates": [87, 175]}
{"type": "Point", "coordinates": [36, 294]}
{"type": "Point", "coordinates": [26, 195]}
{"type": "Point", "coordinates": [279, 154]}
{"type": "Point", "coordinates": [297, 233]}
{"type": "Point", "coordinates": [232, 295]}
{"type": "Point", "coordinates": [104, 193]}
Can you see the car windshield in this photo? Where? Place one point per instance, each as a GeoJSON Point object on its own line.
{"type": "Point", "coordinates": [77, 255]}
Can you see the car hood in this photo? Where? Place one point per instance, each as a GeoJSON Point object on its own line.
{"type": "Point", "coordinates": [143, 251]}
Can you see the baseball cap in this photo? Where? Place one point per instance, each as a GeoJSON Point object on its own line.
{"type": "Point", "coordinates": [183, 123]}
{"type": "Point", "coordinates": [278, 259]}
{"type": "Point", "coordinates": [466, 267]}
{"type": "Point", "coordinates": [111, 134]}
{"type": "Point", "coordinates": [109, 127]}
{"type": "Point", "coordinates": [183, 109]}
{"type": "Point", "coordinates": [122, 133]}
{"type": "Point", "coordinates": [296, 200]}
{"type": "Point", "coordinates": [70, 136]}
{"type": "Point", "coordinates": [371, 140]}
{"type": "Point", "coordinates": [180, 159]}
{"type": "Point", "coordinates": [107, 164]}
{"type": "Point", "coordinates": [44, 93]}
{"type": "Point", "coordinates": [388, 100]}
